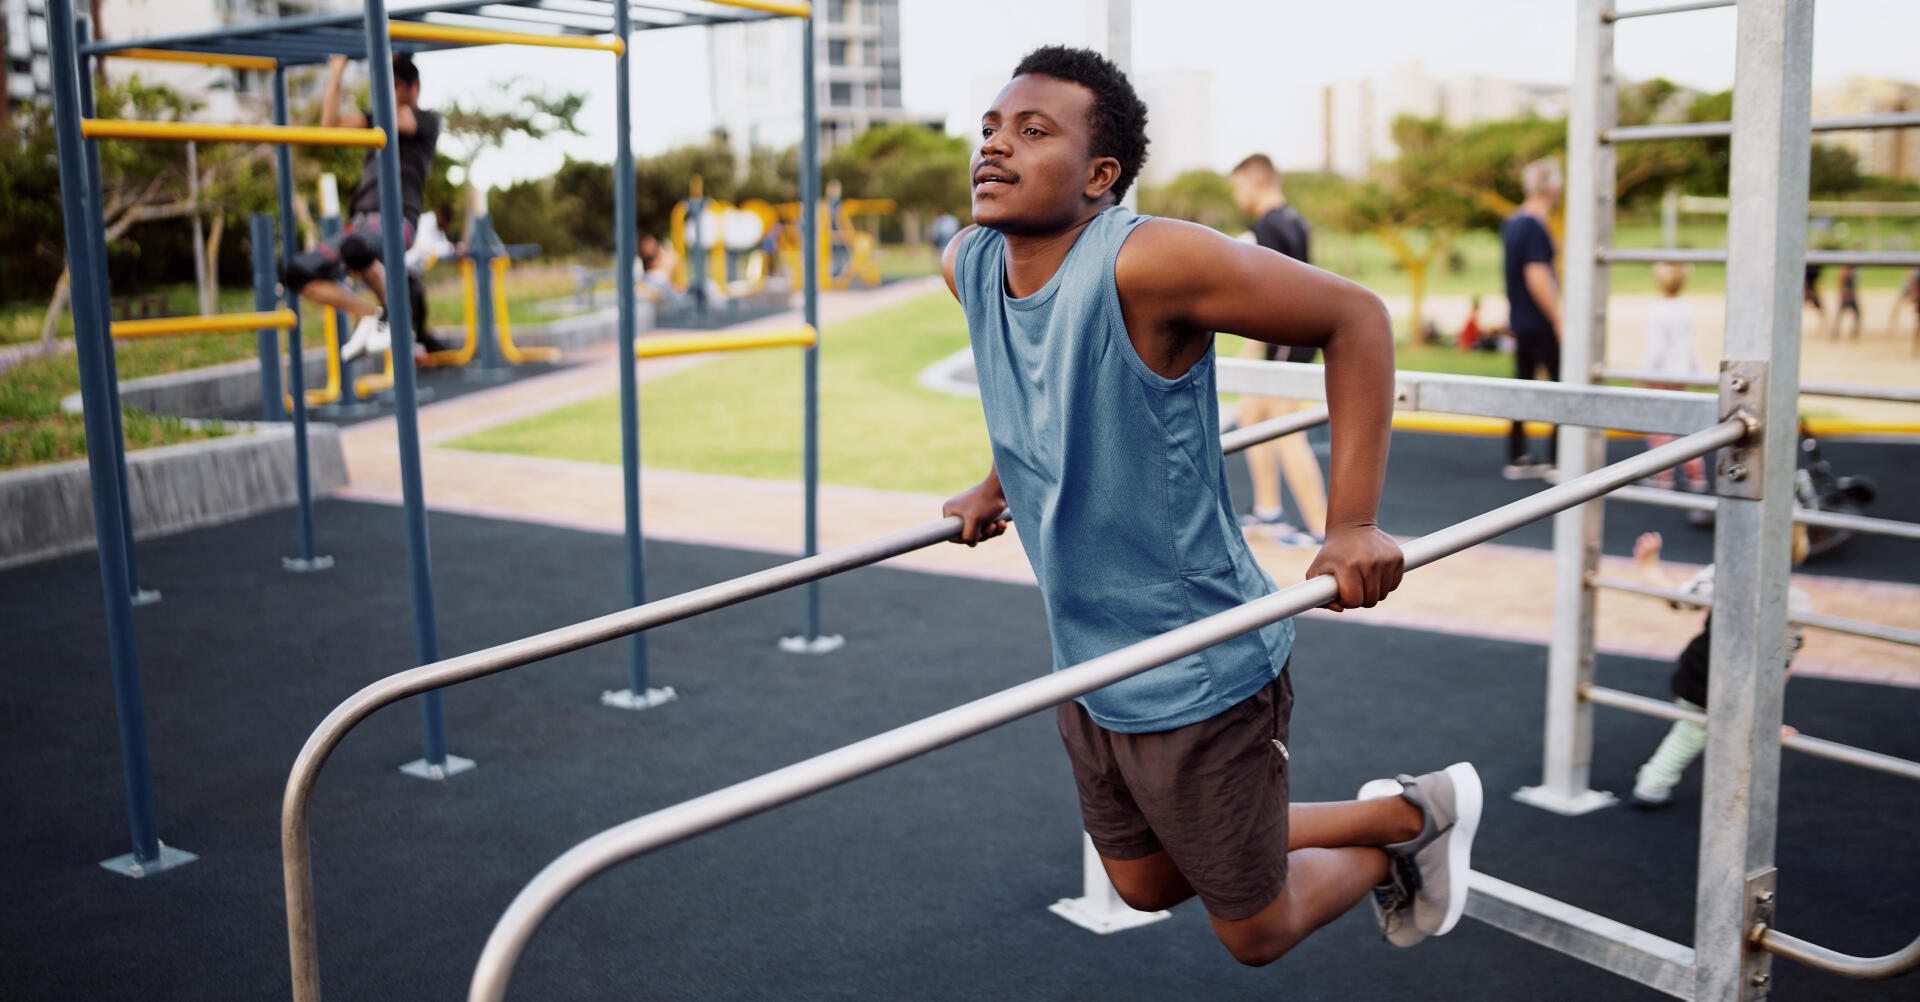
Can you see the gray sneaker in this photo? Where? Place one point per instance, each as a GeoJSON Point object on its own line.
{"type": "Point", "coordinates": [1393, 897]}
{"type": "Point", "coordinates": [1440, 856]}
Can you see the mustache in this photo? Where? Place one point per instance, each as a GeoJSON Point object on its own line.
{"type": "Point", "coordinates": [995, 165]}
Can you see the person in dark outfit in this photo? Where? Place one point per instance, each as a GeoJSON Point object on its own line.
{"type": "Point", "coordinates": [1533, 302]}
{"type": "Point", "coordinates": [1092, 330]}
{"type": "Point", "coordinates": [1277, 226]}
{"type": "Point", "coordinates": [315, 274]}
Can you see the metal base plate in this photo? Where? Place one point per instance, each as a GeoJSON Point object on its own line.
{"type": "Point", "coordinates": [301, 565]}
{"type": "Point", "coordinates": [1585, 803]}
{"type": "Point", "coordinates": [627, 699]}
{"type": "Point", "coordinates": [420, 768]}
{"type": "Point", "coordinates": [1090, 915]}
{"type": "Point", "coordinates": [127, 866]}
{"type": "Point", "coordinates": [482, 374]}
{"type": "Point", "coordinates": [145, 596]}
{"type": "Point", "coordinates": [813, 645]}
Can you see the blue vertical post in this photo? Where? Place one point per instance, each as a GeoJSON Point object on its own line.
{"type": "Point", "coordinates": [434, 762]}
{"type": "Point", "coordinates": [296, 355]}
{"type": "Point", "coordinates": [90, 333]}
{"type": "Point", "coordinates": [141, 596]}
{"type": "Point", "coordinates": [483, 247]}
{"type": "Point", "coordinates": [349, 402]}
{"type": "Point", "coordinates": [638, 695]}
{"type": "Point", "coordinates": [810, 640]}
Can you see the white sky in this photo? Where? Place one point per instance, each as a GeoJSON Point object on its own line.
{"type": "Point", "coordinates": [1267, 58]}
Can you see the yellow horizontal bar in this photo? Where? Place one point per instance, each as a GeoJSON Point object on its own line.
{"type": "Point", "coordinates": [235, 60]}
{"type": "Point", "coordinates": [697, 344]}
{"type": "Point", "coordinates": [298, 135]}
{"type": "Point", "coordinates": [770, 6]}
{"type": "Point", "coordinates": [216, 323]}
{"type": "Point", "coordinates": [417, 31]}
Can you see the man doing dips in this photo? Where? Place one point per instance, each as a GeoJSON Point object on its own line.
{"type": "Point", "coordinates": [314, 275]}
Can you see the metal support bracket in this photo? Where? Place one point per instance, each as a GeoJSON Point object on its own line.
{"type": "Point", "coordinates": [1406, 395]}
{"type": "Point", "coordinates": [420, 768]}
{"type": "Point", "coordinates": [1756, 973]}
{"type": "Point", "coordinates": [823, 644]}
{"type": "Point", "coordinates": [1742, 467]}
{"type": "Point", "coordinates": [627, 699]}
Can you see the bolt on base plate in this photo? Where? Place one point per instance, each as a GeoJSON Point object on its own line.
{"type": "Point", "coordinates": [627, 699]}
{"type": "Point", "coordinates": [420, 768]}
{"type": "Point", "coordinates": [127, 866]}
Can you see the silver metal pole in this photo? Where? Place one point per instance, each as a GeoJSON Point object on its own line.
{"type": "Point", "coordinates": [1676, 8]}
{"type": "Point", "coordinates": [1567, 741]}
{"type": "Point", "coordinates": [1266, 431]}
{"type": "Point", "coordinates": [1714, 130]}
{"type": "Point", "coordinates": [1855, 391]}
{"type": "Point", "coordinates": [1766, 232]}
{"type": "Point", "coordinates": [1820, 958]}
{"type": "Point", "coordinates": [1832, 624]}
{"type": "Point", "coordinates": [1832, 520]}
{"type": "Point", "coordinates": [685, 820]}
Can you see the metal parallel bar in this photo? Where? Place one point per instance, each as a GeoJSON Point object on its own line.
{"type": "Point", "coordinates": [1817, 747]}
{"type": "Point", "coordinates": [1832, 624]}
{"type": "Point", "coordinates": [308, 560]}
{"type": "Point", "coordinates": [1712, 130]}
{"type": "Point", "coordinates": [810, 313]}
{"type": "Point", "coordinates": [296, 852]}
{"type": "Point", "coordinates": [1627, 408]}
{"type": "Point", "coordinates": [203, 58]}
{"type": "Point", "coordinates": [1832, 520]}
{"type": "Point", "coordinates": [422, 31]}
{"type": "Point", "coordinates": [763, 793]}
{"type": "Point", "coordinates": [626, 251]}
{"type": "Point", "coordinates": [90, 343]}
{"type": "Point", "coordinates": [769, 7]}
{"type": "Point", "coordinates": [1820, 958]}
{"type": "Point", "coordinates": [219, 323]}
{"type": "Point", "coordinates": [103, 288]}
{"type": "Point", "coordinates": [265, 297]}
{"type": "Point", "coordinates": [238, 33]}
{"type": "Point", "coordinates": [1855, 391]}
{"type": "Point", "coordinates": [696, 344]}
{"type": "Point", "coordinates": [303, 135]}
{"type": "Point", "coordinates": [1688, 255]}
{"type": "Point", "coordinates": [426, 640]}
{"type": "Point", "coordinates": [1266, 431]}
{"type": "Point", "coordinates": [1632, 953]}
{"type": "Point", "coordinates": [1675, 8]}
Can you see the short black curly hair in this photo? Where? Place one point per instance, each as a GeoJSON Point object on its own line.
{"type": "Point", "coordinates": [1118, 118]}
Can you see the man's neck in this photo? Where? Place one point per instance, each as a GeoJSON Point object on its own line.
{"type": "Point", "coordinates": [1032, 258]}
{"type": "Point", "coordinates": [1268, 202]}
{"type": "Point", "coordinates": [1538, 207]}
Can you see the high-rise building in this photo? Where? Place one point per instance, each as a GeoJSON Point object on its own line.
{"type": "Point", "coordinates": [29, 77]}
{"type": "Point", "coordinates": [752, 69]}
{"type": "Point", "coordinates": [1358, 115]}
{"type": "Point", "coordinates": [1888, 152]}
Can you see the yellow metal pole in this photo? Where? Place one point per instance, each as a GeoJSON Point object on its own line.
{"type": "Point", "coordinates": [419, 31]}
{"type": "Point", "coordinates": [298, 135]}
{"type": "Point", "coordinates": [238, 62]}
{"type": "Point", "coordinates": [770, 6]}
{"type": "Point", "coordinates": [215, 324]}
{"type": "Point", "coordinates": [696, 344]}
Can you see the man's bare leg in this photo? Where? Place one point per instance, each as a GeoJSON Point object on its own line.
{"type": "Point", "coordinates": [376, 278]}
{"type": "Point", "coordinates": [335, 295]}
{"type": "Point", "coordinates": [1332, 862]}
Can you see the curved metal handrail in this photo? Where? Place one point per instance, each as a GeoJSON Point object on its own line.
{"type": "Point", "coordinates": [664, 827]}
{"type": "Point", "coordinates": [1892, 965]}
{"type": "Point", "coordinates": [296, 856]}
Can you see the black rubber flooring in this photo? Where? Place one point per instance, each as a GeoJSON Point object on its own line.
{"type": "Point", "coordinates": [928, 881]}
{"type": "Point", "coordinates": [1436, 480]}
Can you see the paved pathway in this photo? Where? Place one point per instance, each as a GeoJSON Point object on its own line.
{"type": "Point", "coordinates": [1496, 591]}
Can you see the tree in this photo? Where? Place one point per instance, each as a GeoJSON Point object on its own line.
{"type": "Point", "coordinates": [526, 109]}
{"type": "Point", "coordinates": [1197, 196]}
{"type": "Point", "coordinates": [923, 170]}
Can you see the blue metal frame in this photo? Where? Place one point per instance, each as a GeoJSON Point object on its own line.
{"type": "Point", "coordinates": [426, 640]}
{"type": "Point", "coordinates": [810, 281]}
{"type": "Point", "coordinates": [483, 247]}
{"type": "Point", "coordinates": [625, 252]}
{"type": "Point", "coordinates": [80, 199]}
{"type": "Point", "coordinates": [296, 355]}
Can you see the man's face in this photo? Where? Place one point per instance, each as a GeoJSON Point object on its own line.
{"type": "Point", "coordinates": [1246, 192]}
{"type": "Point", "coordinates": [1031, 171]}
{"type": "Point", "coordinates": [405, 94]}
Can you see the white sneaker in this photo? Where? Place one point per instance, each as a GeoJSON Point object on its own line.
{"type": "Point", "coordinates": [1441, 855]}
{"type": "Point", "coordinates": [370, 336]}
{"type": "Point", "coordinates": [1392, 898]}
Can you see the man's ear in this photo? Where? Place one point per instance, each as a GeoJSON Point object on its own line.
{"type": "Point", "coordinates": [1101, 178]}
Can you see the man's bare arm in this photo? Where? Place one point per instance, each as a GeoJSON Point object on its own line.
{"type": "Point", "coordinates": [952, 254]}
{"type": "Point", "coordinates": [1178, 282]}
{"type": "Point", "coordinates": [1545, 290]}
{"type": "Point", "coordinates": [330, 114]}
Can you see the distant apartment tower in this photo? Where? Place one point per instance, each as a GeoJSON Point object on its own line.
{"type": "Point", "coordinates": [753, 69]}
{"type": "Point", "coordinates": [1358, 115]}
{"type": "Point", "coordinates": [29, 76]}
{"type": "Point", "coordinates": [1888, 152]}
{"type": "Point", "coordinates": [223, 94]}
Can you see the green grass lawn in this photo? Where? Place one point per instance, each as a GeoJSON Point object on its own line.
{"type": "Point", "coordinates": [740, 415]}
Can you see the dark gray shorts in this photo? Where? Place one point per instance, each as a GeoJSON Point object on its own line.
{"type": "Point", "coordinates": [1212, 794]}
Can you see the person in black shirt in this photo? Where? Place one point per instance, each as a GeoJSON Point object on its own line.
{"type": "Point", "coordinates": [1277, 226]}
{"type": "Point", "coordinates": [1533, 301]}
{"type": "Point", "coordinates": [315, 274]}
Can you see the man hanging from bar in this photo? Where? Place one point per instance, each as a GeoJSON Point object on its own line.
{"type": "Point", "coordinates": [315, 275]}
{"type": "Point", "coordinates": [1092, 331]}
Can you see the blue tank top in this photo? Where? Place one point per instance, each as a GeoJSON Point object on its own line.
{"type": "Point", "coordinates": [1115, 480]}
